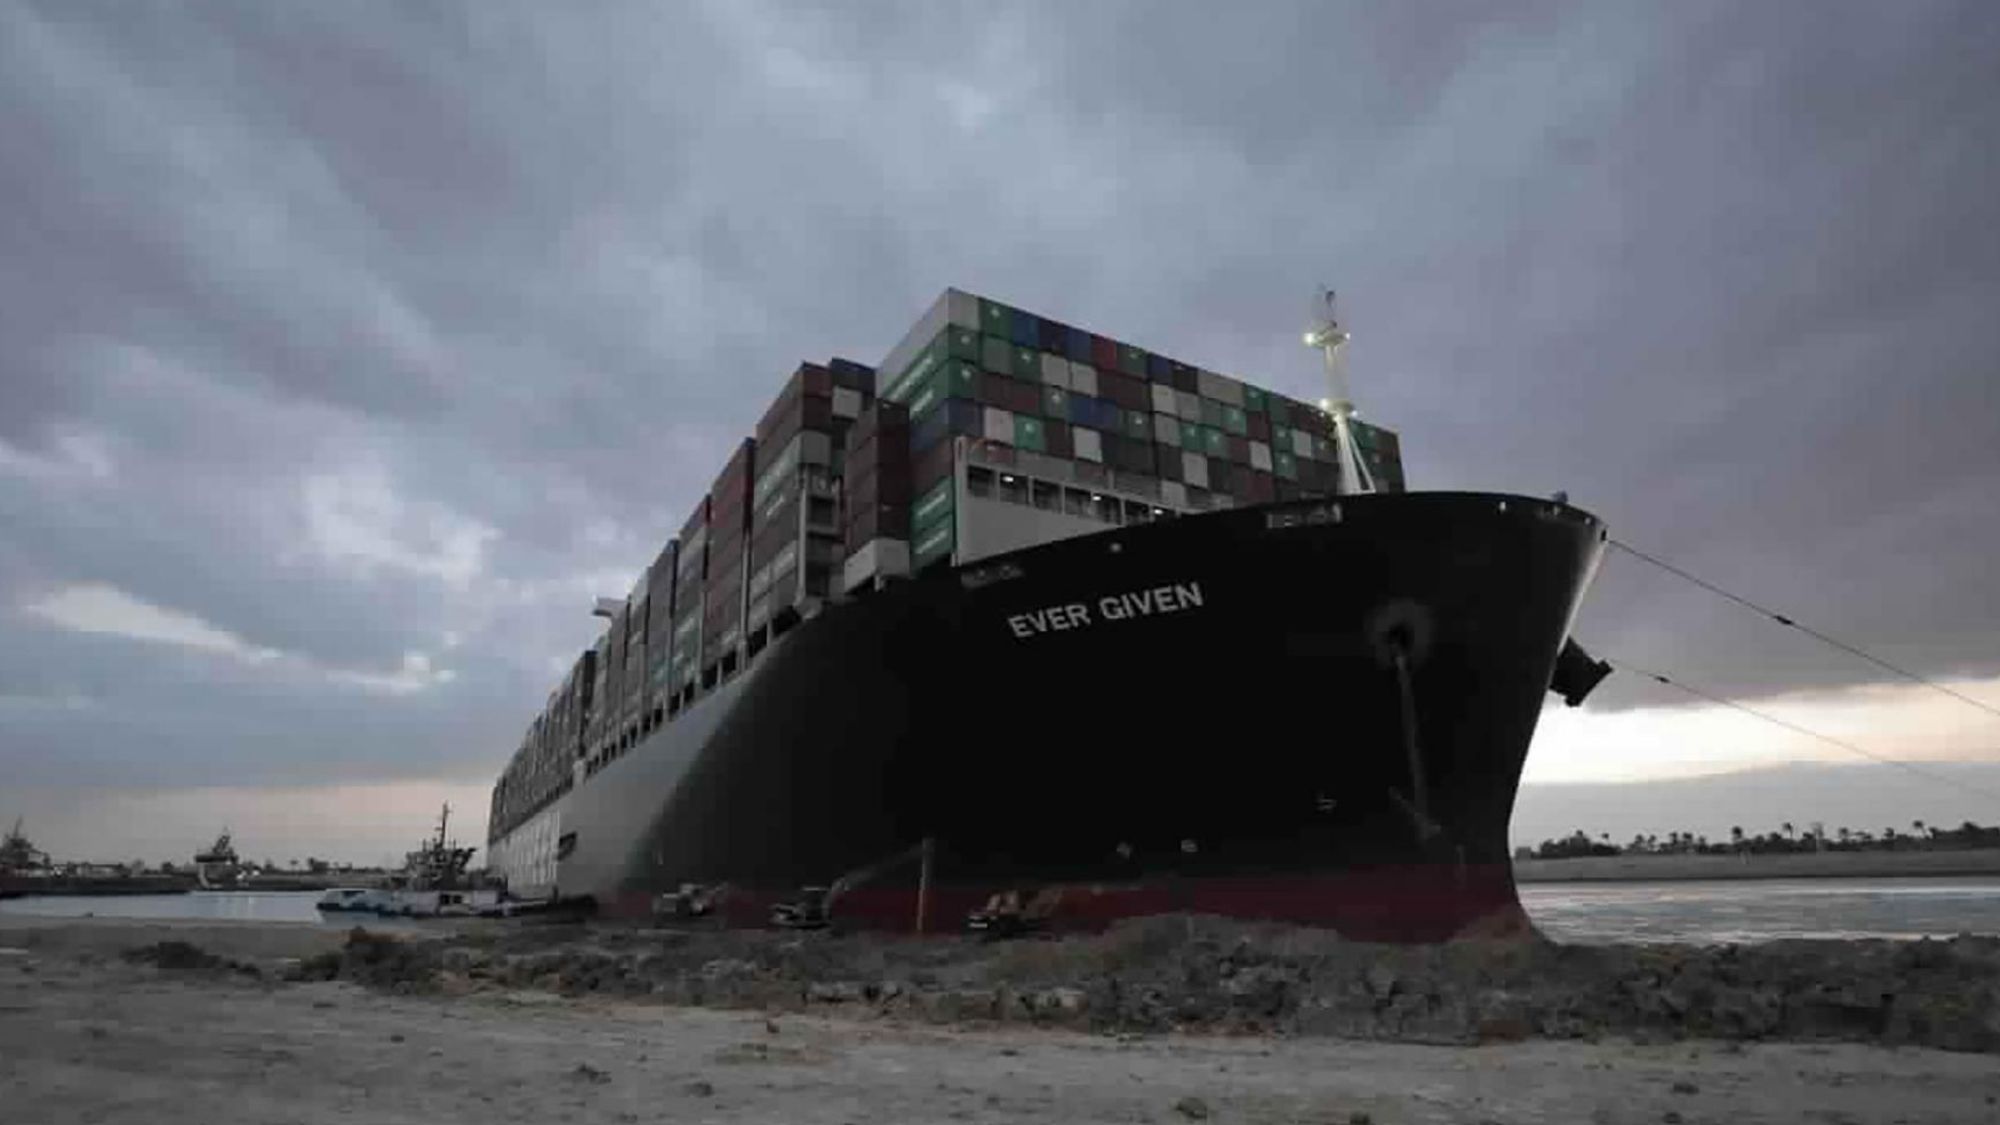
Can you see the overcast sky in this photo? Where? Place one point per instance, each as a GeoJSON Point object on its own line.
{"type": "Point", "coordinates": [346, 351]}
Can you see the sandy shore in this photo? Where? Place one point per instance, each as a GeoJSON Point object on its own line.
{"type": "Point", "coordinates": [86, 1035]}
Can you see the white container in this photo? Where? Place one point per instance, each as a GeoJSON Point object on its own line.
{"type": "Point", "coordinates": [1082, 379]}
{"type": "Point", "coordinates": [999, 426]}
{"type": "Point", "coordinates": [1302, 443]}
{"type": "Point", "coordinates": [1087, 445]}
{"type": "Point", "coordinates": [1189, 404]}
{"type": "Point", "coordinates": [1260, 456]}
{"type": "Point", "coordinates": [1166, 430]}
{"type": "Point", "coordinates": [1164, 400]}
{"type": "Point", "coordinates": [1174, 493]}
{"type": "Point", "coordinates": [1055, 370]}
{"type": "Point", "coordinates": [885, 558]}
{"type": "Point", "coordinates": [846, 402]}
{"type": "Point", "coordinates": [962, 309]}
{"type": "Point", "coordinates": [1194, 469]}
{"type": "Point", "coordinates": [1221, 388]}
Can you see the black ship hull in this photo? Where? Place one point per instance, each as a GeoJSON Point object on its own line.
{"type": "Point", "coordinates": [1314, 712]}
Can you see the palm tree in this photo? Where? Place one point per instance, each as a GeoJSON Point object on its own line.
{"type": "Point", "coordinates": [1845, 834]}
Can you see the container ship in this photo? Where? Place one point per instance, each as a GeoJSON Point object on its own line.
{"type": "Point", "coordinates": [1031, 625]}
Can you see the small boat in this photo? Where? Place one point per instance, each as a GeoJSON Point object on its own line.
{"type": "Point", "coordinates": [359, 899]}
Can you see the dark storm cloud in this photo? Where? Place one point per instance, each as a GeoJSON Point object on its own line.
{"type": "Point", "coordinates": [366, 335]}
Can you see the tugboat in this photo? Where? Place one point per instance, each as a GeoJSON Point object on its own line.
{"type": "Point", "coordinates": [23, 866]}
{"type": "Point", "coordinates": [218, 868]}
{"type": "Point", "coordinates": [433, 883]}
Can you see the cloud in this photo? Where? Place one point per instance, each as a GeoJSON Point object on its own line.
{"type": "Point", "coordinates": [106, 611]}
{"type": "Point", "coordinates": [102, 609]}
{"type": "Point", "coordinates": [385, 340]}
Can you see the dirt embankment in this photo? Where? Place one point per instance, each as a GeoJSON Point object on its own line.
{"type": "Point", "coordinates": [1202, 974]}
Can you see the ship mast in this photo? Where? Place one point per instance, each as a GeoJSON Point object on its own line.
{"type": "Point", "coordinates": [1330, 339]}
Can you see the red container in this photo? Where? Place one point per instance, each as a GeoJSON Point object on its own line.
{"type": "Point", "coordinates": [931, 466]}
{"type": "Point", "coordinates": [993, 388]}
{"type": "Point", "coordinates": [1055, 440]}
{"type": "Point", "coordinates": [1124, 390]}
{"type": "Point", "coordinates": [1261, 488]}
{"type": "Point", "coordinates": [1260, 427]}
{"type": "Point", "coordinates": [1222, 475]}
{"type": "Point", "coordinates": [770, 540]}
{"type": "Point", "coordinates": [789, 416]}
{"type": "Point", "coordinates": [1239, 448]}
{"type": "Point", "coordinates": [877, 521]}
{"type": "Point", "coordinates": [697, 521]}
{"type": "Point", "coordinates": [878, 488]}
{"type": "Point", "coordinates": [1103, 354]}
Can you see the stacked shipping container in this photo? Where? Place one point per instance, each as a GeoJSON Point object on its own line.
{"type": "Point", "coordinates": [832, 475]}
{"type": "Point", "coordinates": [1119, 416]}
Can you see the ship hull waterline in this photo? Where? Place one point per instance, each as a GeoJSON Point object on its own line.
{"type": "Point", "coordinates": [1204, 714]}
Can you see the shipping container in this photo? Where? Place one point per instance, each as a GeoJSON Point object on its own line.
{"type": "Point", "coordinates": [933, 544]}
{"type": "Point", "coordinates": [1082, 379]}
{"type": "Point", "coordinates": [877, 521]}
{"type": "Point", "coordinates": [1132, 360]}
{"type": "Point", "coordinates": [934, 504]}
{"type": "Point", "coordinates": [1028, 433]}
{"type": "Point", "coordinates": [996, 320]}
{"type": "Point", "coordinates": [1024, 330]}
{"type": "Point", "coordinates": [951, 416]}
{"type": "Point", "coordinates": [1086, 444]}
{"type": "Point", "coordinates": [1167, 430]}
{"type": "Point", "coordinates": [1194, 469]}
{"type": "Point", "coordinates": [1056, 440]}
{"type": "Point", "coordinates": [1055, 371]}
{"type": "Point", "coordinates": [1159, 369]}
{"type": "Point", "coordinates": [932, 465]}
{"type": "Point", "coordinates": [1027, 364]}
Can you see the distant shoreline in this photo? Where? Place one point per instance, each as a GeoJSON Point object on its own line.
{"type": "Point", "coordinates": [1800, 865]}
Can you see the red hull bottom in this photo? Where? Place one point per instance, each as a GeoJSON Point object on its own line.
{"type": "Point", "coordinates": [1391, 904]}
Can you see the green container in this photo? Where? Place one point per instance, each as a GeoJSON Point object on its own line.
{"type": "Point", "coordinates": [1132, 360]}
{"type": "Point", "coordinates": [962, 343]}
{"type": "Point", "coordinates": [1322, 448]}
{"type": "Point", "coordinates": [1055, 403]}
{"type": "Point", "coordinates": [1029, 434]}
{"type": "Point", "coordinates": [921, 367]}
{"type": "Point", "coordinates": [1138, 424]}
{"type": "Point", "coordinates": [1281, 437]}
{"type": "Point", "coordinates": [1285, 465]}
{"type": "Point", "coordinates": [996, 353]}
{"type": "Point", "coordinates": [1213, 442]}
{"type": "Point", "coordinates": [932, 506]}
{"type": "Point", "coordinates": [996, 319]}
{"type": "Point", "coordinates": [1235, 420]}
{"type": "Point", "coordinates": [1191, 436]}
{"type": "Point", "coordinates": [1028, 364]}
{"type": "Point", "coordinates": [930, 392]}
{"type": "Point", "coordinates": [1255, 401]}
{"type": "Point", "coordinates": [934, 543]}
{"type": "Point", "coordinates": [961, 380]}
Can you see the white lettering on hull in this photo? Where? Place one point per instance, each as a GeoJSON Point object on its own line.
{"type": "Point", "coordinates": [1176, 598]}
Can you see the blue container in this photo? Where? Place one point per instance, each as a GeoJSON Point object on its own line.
{"type": "Point", "coordinates": [1109, 416]}
{"type": "Point", "coordinates": [1083, 410]}
{"type": "Point", "coordinates": [1027, 331]}
{"type": "Point", "coordinates": [949, 416]}
{"type": "Point", "coordinates": [1077, 345]}
{"type": "Point", "coordinates": [1159, 369]}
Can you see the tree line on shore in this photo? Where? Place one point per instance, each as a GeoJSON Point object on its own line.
{"type": "Point", "coordinates": [1788, 839]}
